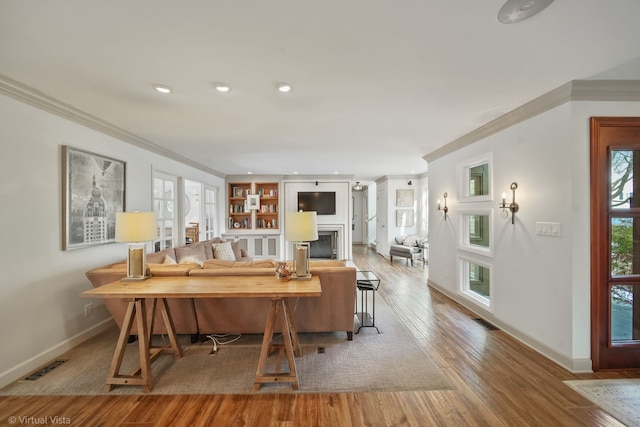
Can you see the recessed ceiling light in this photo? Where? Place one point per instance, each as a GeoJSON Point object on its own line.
{"type": "Point", "coordinates": [222, 87]}
{"type": "Point", "coordinates": [162, 88]}
{"type": "Point", "coordinates": [518, 10]}
{"type": "Point", "coordinates": [284, 87]}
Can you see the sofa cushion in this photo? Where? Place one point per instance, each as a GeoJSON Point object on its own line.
{"type": "Point", "coordinates": [220, 263]}
{"type": "Point", "coordinates": [223, 251]}
{"type": "Point", "coordinates": [197, 251]}
{"type": "Point", "coordinates": [327, 263]}
{"type": "Point", "coordinates": [159, 257]}
{"type": "Point", "coordinates": [164, 270]}
{"type": "Point", "coordinates": [191, 259]}
{"type": "Point", "coordinates": [217, 263]}
{"type": "Point", "coordinates": [403, 249]}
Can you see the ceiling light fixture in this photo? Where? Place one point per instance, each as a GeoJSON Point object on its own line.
{"type": "Point", "coordinates": [162, 88]}
{"type": "Point", "coordinates": [358, 186]}
{"type": "Point", "coordinates": [518, 10]}
{"type": "Point", "coordinates": [222, 87]}
{"type": "Point", "coordinates": [284, 87]}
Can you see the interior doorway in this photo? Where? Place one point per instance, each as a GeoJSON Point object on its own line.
{"type": "Point", "coordinates": [359, 229]}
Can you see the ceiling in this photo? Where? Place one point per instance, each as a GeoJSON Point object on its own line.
{"type": "Point", "coordinates": [377, 84]}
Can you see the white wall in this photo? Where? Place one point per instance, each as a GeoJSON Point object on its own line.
{"type": "Point", "coordinates": [40, 308]}
{"type": "Point", "coordinates": [541, 284]}
{"type": "Point", "coordinates": [341, 219]}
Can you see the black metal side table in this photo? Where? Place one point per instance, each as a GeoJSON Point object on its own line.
{"type": "Point", "coordinates": [367, 281]}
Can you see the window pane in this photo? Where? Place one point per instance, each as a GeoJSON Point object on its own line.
{"type": "Point", "coordinates": [625, 313]}
{"type": "Point", "coordinates": [625, 249]}
{"type": "Point", "coordinates": [479, 280]}
{"type": "Point", "coordinates": [479, 230]}
{"type": "Point", "coordinates": [479, 180]}
{"type": "Point", "coordinates": [623, 163]}
{"type": "Point", "coordinates": [157, 188]}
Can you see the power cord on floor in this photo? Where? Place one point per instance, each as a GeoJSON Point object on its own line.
{"type": "Point", "coordinates": [219, 339]}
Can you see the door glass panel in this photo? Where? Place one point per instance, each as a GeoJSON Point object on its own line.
{"type": "Point", "coordinates": [625, 248]}
{"type": "Point", "coordinates": [623, 163]}
{"type": "Point", "coordinates": [625, 313]}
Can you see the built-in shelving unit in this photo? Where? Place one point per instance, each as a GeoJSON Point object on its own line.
{"type": "Point", "coordinates": [253, 206]}
{"type": "Point", "coordinates": [254, 217]}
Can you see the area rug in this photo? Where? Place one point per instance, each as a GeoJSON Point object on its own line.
{"type": "Point", "coordinates": [619, 397]}
{"type": "Point", "coordinates": [388, 361]}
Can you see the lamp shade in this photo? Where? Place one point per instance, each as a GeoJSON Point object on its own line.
{"type": "Point", "coordinates": [301, 227]}
{"type": "Point", "coordinates": [136, 226]}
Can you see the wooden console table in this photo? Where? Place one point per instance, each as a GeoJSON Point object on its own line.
{"type": "Point", "coordinates": [158, 289]}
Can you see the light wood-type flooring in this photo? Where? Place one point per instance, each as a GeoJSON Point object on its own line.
{"type": "Point", "coordinates": [497, 380]}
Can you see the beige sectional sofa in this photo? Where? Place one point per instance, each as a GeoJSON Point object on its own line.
{"type": "Point", "coordinates": [331, 312]}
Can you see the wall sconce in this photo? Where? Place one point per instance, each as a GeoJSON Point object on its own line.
{"type": "Point", "coordinates": [513, 206]}
{"type": "Point", "coordinates": [445, 208]}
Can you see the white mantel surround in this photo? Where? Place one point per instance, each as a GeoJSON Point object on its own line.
{"type": "Point", "coordinates": [340, 222]}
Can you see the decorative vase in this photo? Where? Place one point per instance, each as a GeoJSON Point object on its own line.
{"type": "Point", "coordinates": [283, 271]}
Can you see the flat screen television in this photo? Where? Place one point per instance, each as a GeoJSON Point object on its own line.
{"type": "Point", "coordinates": [323, 202]}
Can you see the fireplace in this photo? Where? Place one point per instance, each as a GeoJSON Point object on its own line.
{"type": "Point", "coordinates": [325, 246]}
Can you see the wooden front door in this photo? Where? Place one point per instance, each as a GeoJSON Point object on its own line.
{"type": "Point", "coordinates": [615, 242]}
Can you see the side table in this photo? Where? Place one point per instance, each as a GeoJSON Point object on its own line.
{"type": "Point", "coordinates": [367, 281]}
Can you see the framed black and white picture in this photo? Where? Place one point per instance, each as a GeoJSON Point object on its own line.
{"type": "Point", "coordinates": [93, 190]}
{"type": "Point", "coordinates": [253, 201]}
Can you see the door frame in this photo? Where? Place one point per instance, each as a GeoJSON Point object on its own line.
{"type": "Point", "coordinates": [604, 354]}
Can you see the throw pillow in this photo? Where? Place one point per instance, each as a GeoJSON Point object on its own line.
{"type": "Point", "coordinates": [196, 251]}
{"type": "Point", "coordinates": [237, 251]}
{"type": "Point", "coordinates": [191, 259]}
{"type": "Point", "coordinates": [169, 261]}
{"type": "Point", "coordinates": [411, 241]}
{"type": "Point", "coordinates": [158, 257]}
{"type": "Point", "coordinates": [223, 251]}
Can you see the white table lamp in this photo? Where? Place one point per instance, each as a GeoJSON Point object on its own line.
{"type": "Point", "coordinates": [136, 228]}
{"type": "Point", "coordinates": [301, 228]}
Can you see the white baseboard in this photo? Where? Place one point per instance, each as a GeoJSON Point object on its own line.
{"type": "Point", "coordinates": [572, 365]}
{"type": "Point", "coordinates": [46, 356]}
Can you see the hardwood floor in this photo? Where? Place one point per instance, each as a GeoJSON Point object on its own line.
{"type": "Point", "coordinates": [498, 381]}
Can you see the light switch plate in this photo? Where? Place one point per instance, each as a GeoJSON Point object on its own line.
{"type": "Point", "coordinates": [548, 228]}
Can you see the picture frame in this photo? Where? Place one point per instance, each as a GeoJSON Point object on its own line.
{"type": "Point", "coordinates": [253, 201]}
{"type": "Point", "coordinates": [404, 197]}
{"type": "Point", "coordinates": [93, 190]}
{"type": "Point", "coordinates": [237, 192]}
{"type": "Point", "coordinates": [404, 218]}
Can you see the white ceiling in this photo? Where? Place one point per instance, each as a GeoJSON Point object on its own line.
{"type": "Point", "coordinates": [378, 84]}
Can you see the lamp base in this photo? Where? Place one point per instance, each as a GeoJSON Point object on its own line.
{"type": "Point", "coordinates": [296, 277]}
{"type": "Point", "coordinates": [135, 279]}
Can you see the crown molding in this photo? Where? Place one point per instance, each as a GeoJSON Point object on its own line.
{"type": "Point", "coordinates": [576, 90]}
{"type": "Point", "coordinates": [42, 101]}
